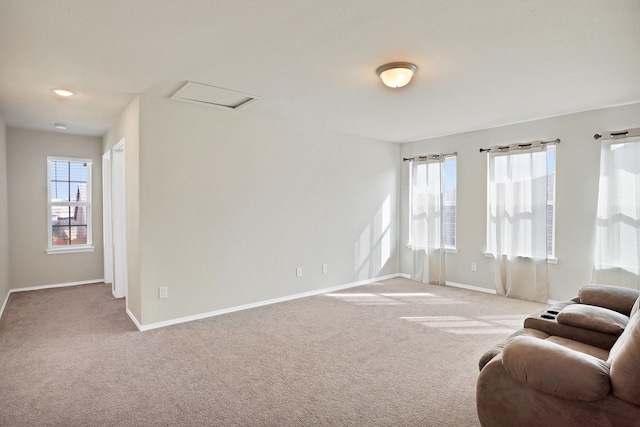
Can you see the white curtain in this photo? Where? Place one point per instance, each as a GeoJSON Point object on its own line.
{"type": "Point", "coordinates": [427, 224]}
{"type": "Point", "coordinates": [517, 221]}
{"type": "Point", "coordinates": [617, 255]}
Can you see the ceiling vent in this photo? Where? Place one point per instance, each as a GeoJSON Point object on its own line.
{"type": "Point", "coordinates": [198, 93]}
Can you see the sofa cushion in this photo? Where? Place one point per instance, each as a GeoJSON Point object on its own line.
{"type": "Point", "coordinates": [598, 352]}
{"type": "Point", "coordinates": [546, 321]}
{"type": "Point", "coordinates": [614, 298]}
{"type": "Point", "coordinates": [594, 318]}
{"type": "Point", "coordinates": [555, 369]}
{"type": "Point", "coordinates": [625, 366]}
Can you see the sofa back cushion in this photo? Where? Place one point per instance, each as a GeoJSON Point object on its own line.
{"type": "Point", "coordinates": [615, 298]}
{"type": "Point", "coordinates": [623, 359]}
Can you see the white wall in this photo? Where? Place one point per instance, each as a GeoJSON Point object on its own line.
{"type": "Point", "coordinates": [4, 216]}
{"type": "Point", "coordinates": [127, 127]}
{"type": "Point", "coordinates": [577, 165]}
{"type": "Point", "coordinates": [27, 152]}
{"type": "Point", "coordinates": [231, 204]}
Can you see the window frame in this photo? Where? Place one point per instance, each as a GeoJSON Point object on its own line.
{"type": "Point", "coordinates": [551, 257]}
{"type": "Point", "coordinates": [85, 247]}
{"type": "Point", "coordinates": [610, 245]}
{"type": "Point", "coordinates": [447, 248]}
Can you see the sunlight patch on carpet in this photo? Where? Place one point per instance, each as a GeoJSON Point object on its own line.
{"type": "Point", "coordinates": [398, 298]}
{"type": "Point", "coordinates": [365, 299]}
{"type": "Point", "coordinates": [462, 325]}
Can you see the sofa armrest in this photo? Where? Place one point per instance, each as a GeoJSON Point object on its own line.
{"type": "Point", "coordinates": [556, 370]}
{"type": "Point", "coordinates": [593, 318]}
{"type": "Point", "coordinates": [497, 349]}
{"type": "Point", "coordinates": [614, 298]}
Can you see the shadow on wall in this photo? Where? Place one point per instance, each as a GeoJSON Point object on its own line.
{"type": "Point", "coordinates": [373, 248]}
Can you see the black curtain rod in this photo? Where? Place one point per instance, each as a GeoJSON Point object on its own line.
{"type": "Point", "coordinates": [429, 156]}
{"type": "Point", "coordinates": [613, 134]}
{"type": "Point", "coordinates": [528, 144]}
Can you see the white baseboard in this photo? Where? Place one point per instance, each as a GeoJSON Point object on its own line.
{"type": "Point", "coordinates": [4, 304]}
{"type": "Point", "coordinates": [133, 319]}
{"type": "Point", "coordinates": [485, 290]}
{"type": "Point", "coordinates": [56, 285]}
{"type": "Point", "coordinates": [458, 285]}
{"type": "Point", "coordinates": [39, 287]}
{"type": "Point", "coordinates": [257, 304]}
{"type": "Point", "coordinates": [471, 288]}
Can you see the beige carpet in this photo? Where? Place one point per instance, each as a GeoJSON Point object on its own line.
{"type": "Point", "coordinates": [395, 353]}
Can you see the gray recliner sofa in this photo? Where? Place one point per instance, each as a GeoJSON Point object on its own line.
{"type": "Point", "coordinates": [561, 371]}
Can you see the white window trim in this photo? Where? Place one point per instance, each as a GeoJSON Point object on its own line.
{"type": "Point", "coordinates": [550, 259]}
{"type": "Point", "coordinates": [69, 249]}
{"type": "Point", "coordinates": [447, 249]}
{"type": "Point", "coordinates": [88, 247]}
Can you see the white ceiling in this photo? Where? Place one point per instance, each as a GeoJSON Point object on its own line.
{"type": "Point", "coordinates": [481, 63]}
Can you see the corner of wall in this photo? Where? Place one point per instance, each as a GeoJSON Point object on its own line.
{"type": "Point", "coordinates": [4, 218]}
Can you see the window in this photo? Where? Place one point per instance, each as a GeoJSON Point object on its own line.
{"type": "Point", "coordinates": [69, 205]}
{"type": "Point", "coordinates": [617, 247]}
{"type": "Point", "coordinates": [449, 199]}
{"type": "Point", "coordinates": [522, 172]}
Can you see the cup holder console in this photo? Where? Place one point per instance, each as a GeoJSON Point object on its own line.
{"type": "Point", "coordinates": [550, 314]}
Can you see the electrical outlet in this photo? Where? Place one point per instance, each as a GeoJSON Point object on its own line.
{"type": "Point", "coordinates": [325, 268]}
{"type": "Point", "coordinates": [474, 266]}
{"type": "Point", "coordinates": [299, 272]}
{"type": "Point", "coordinates": [163, 292]}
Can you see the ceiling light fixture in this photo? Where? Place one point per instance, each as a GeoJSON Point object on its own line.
{"type": "Point", "coordinates": [60, 126]}
{"type": "Point", "coordinates": [63, 92]}
{"type": "Point", "coordinates": [396, 74]}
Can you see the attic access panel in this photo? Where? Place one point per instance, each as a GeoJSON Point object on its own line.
{"type": "Point", "coordinates": [199, 93]}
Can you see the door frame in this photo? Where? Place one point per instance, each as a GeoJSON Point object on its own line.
{"type": "Point", "coordinates": [119, 221]}
{"type": "Point", "coordinates": [107, 224]}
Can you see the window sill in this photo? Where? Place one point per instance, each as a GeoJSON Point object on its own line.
{"type": "Point", "coordinates": [550, 260]}
{"type": "Point", "coordinates": [69, 249]}
{"type": "Point", "coordinates": [447, 250]}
